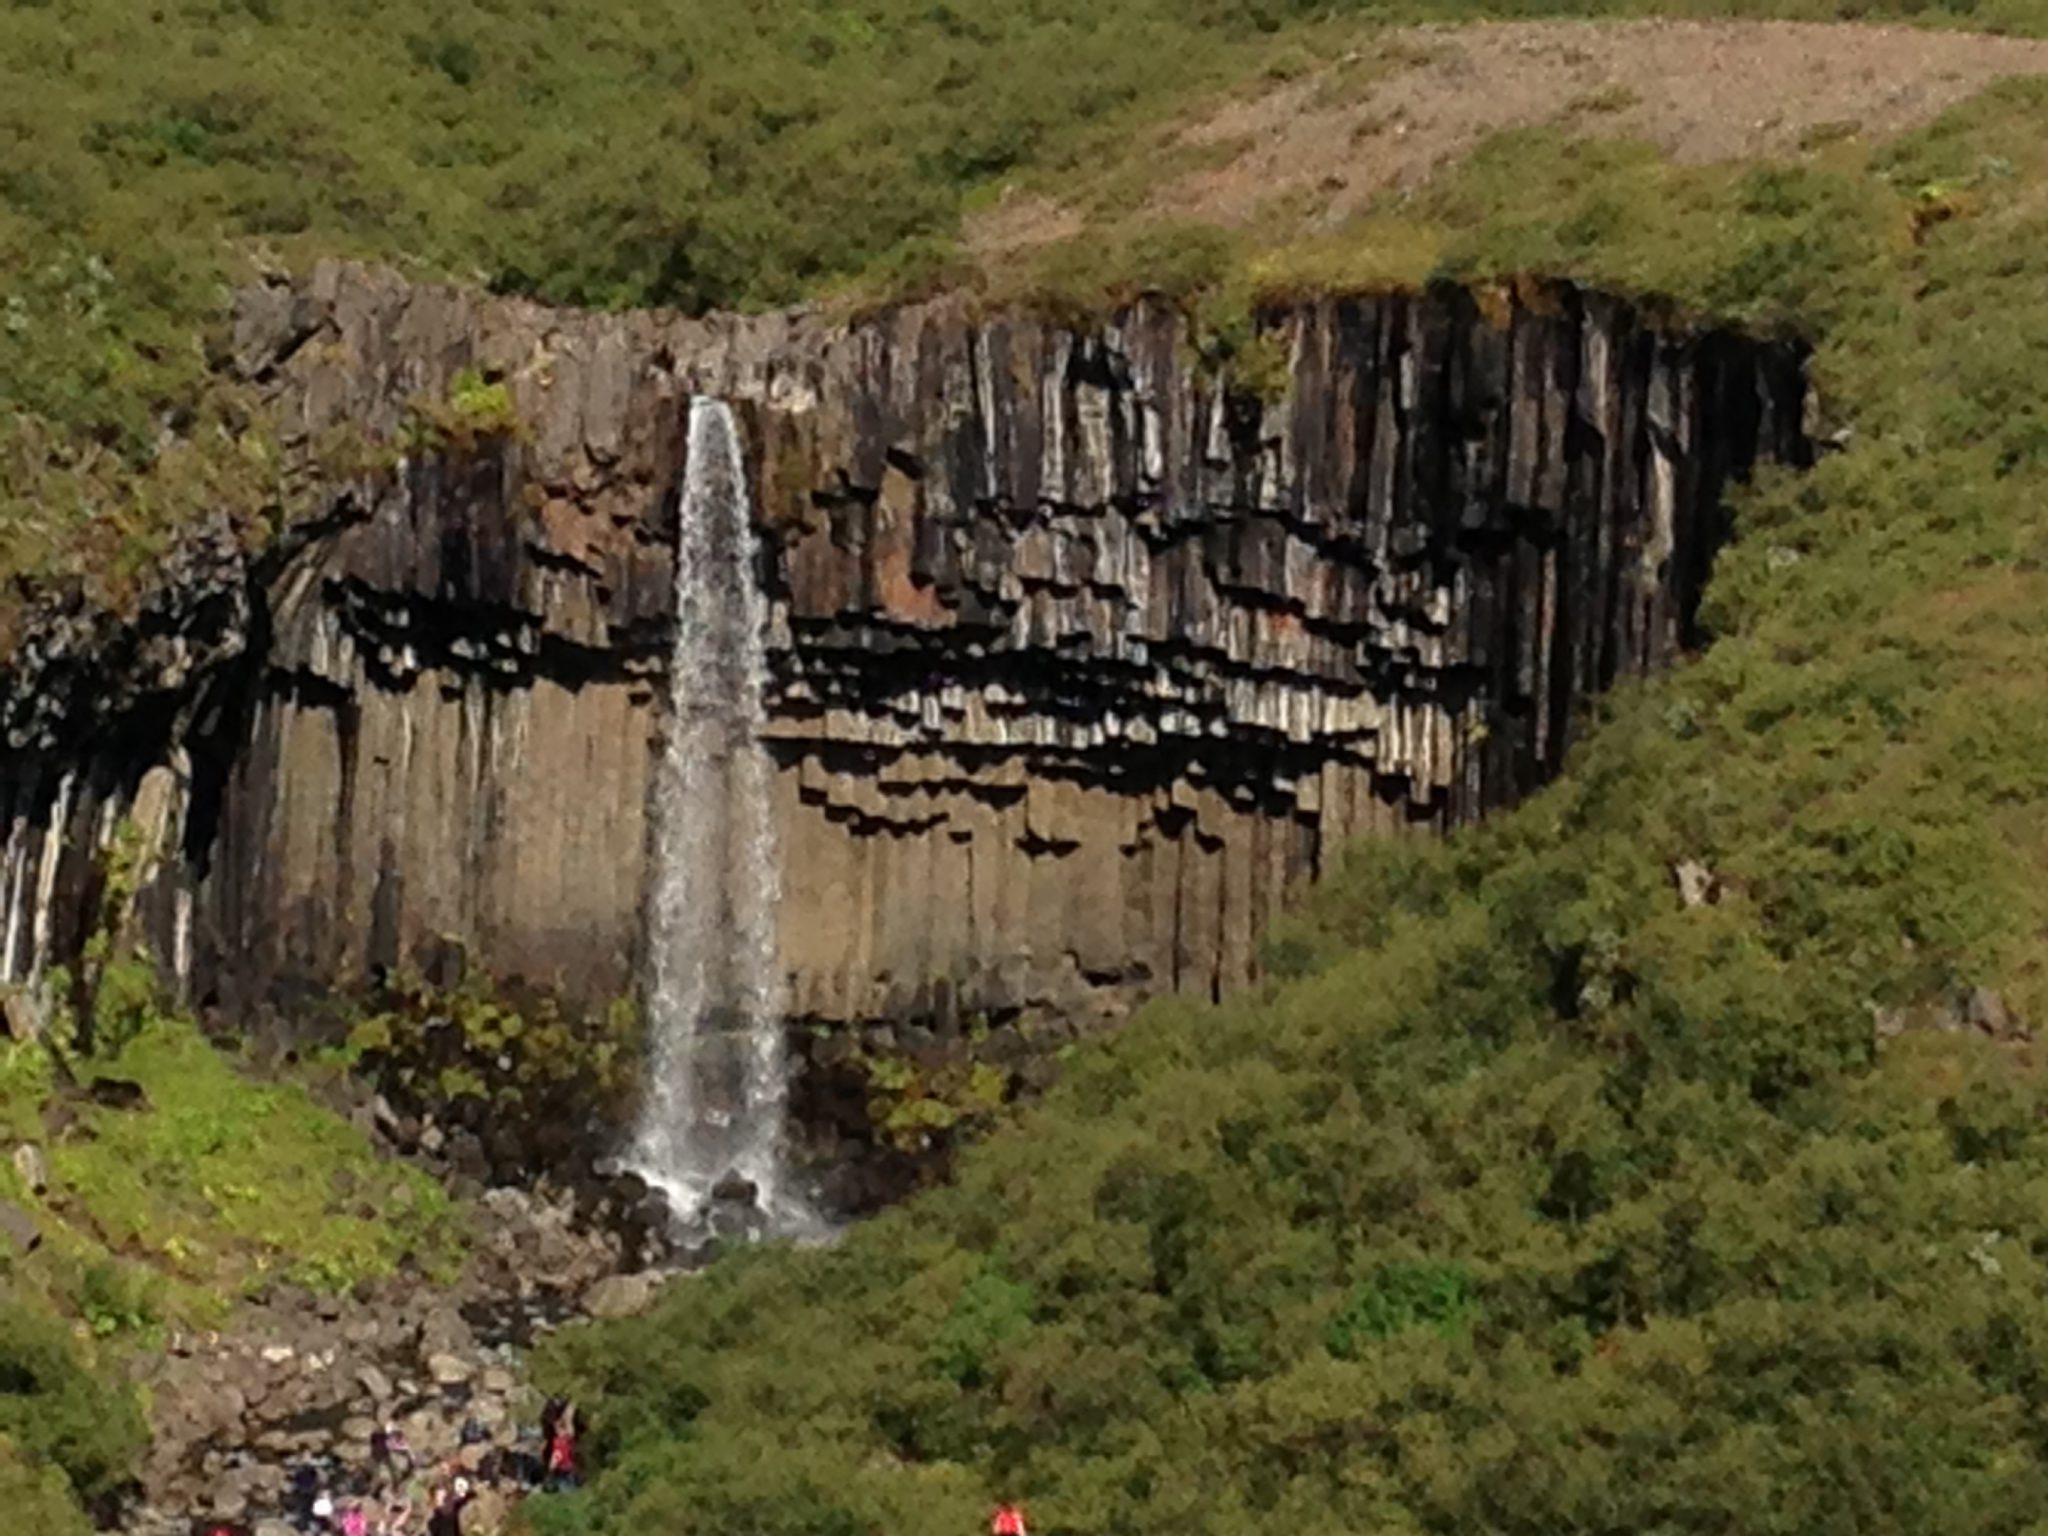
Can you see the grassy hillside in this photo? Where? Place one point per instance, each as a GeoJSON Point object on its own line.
{"type": "Point", "coordinates": [691, 152]}
{"type": "Point", "coordinates": [1537, 1200]}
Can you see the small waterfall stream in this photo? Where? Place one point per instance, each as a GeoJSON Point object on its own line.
{"type": "Point", "coordinates": [714, 1104]}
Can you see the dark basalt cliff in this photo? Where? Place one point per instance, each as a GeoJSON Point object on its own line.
{"type": "Point", "coordinates": [1082, 656]}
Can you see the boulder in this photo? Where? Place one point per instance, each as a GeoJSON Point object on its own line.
{"type": "Point", "coordinates": [22, 1015]}
{"type": "Point", "coordinates": [218, 1407]}
{"type": "Point", "coordinates": [485, 1514]}
{"type": "Point", "coordinates": [618, 1296]}
{"type": "Point", "coordinates": [1984, 1011]}
{"type": "Point", "coordinates": [230, 1503]}
{"type": "Point", "coordinates": [19, 1229]}
{"type": "Point", "coordinates": [1697, 886]}
{"type": "Point", "coordinates": [32, 1167]}
{"type": "Point", "coordinates": [735, 1189]}
{"type": "Point", "coordinates": [443, 1332]}
{"type": "Point", "coordinates": [117, 1093]}
{"type": "Point", "coordinates": [448, 1370]}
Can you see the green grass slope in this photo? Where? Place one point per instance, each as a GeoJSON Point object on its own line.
{"type": "Point", "coordinates": [687, 152]}
{"type": "Point", "coordinates": [1538, 1201]}
{"type": "Point", "coordinates": [224, 1182]}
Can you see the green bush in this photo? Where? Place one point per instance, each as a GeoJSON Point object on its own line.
{"type": "Point", "coordinates": [534, 1063]}
{"type": "Point", "coordinates": [1398, 1297]}
{"type": "Point", "coordinates": [115, 1298]}
{"type": "Point", "coordinates": [39, 1498]}
{"type": "Point", "coordinates": [989, 1310]}
{"type": "Point", "coordinates": [476, 410]}
{"type": "Point", "coordinates": [54, 1413]}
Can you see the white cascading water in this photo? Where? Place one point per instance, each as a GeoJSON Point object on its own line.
{"type": "Point", "coordinates": [715, 1098]}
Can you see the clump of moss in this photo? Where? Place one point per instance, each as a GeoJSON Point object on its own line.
{"type": "Point", "coordinates": [912, 1104]}
{"type": "Point", "coordinates": [476, 410]}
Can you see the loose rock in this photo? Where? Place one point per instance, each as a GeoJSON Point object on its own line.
{"type": "Point", "coordinates": [618, 1296]}
{"type": "Point", "coordinates": [448, 1370]}
{"type": "Point", "coordinates": [32, 1168]}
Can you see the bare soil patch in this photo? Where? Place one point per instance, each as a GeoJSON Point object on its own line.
{"type": "Point", "coordinates": [1406, 101]}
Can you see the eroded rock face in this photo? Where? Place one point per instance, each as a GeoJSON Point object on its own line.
{"type": "Point", "coordinates": [1083, 656]}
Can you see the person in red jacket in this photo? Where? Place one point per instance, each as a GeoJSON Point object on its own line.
{"type": "Point", "coordinates": [1009, 1521]}
{"type": "Point", "coordinates": [561, 1452]}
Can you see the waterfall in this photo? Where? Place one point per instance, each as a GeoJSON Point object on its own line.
{"type": "Point", "coordinates": [714, 1101]}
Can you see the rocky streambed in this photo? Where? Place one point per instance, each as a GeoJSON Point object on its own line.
{"type": "Point", "coordinates": [299, 1379]}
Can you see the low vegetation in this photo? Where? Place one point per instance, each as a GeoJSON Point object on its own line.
{"type": "Point", "coordinates": [194, 1181]}
{"type": "Point", "coordinates": [525, 1073]}
{"type": "Point", "coordinates": [40, 1496]}
{"type": "Point", "coordinates": [1540, 1198]}
{"type": "Point", "coordinates": [67, 1436]}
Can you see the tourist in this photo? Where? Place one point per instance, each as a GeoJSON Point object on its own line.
{"type": "Point", "coordinates": [491, 1467]}
{"type": "Point", "coordinates": [354, 1522]}
{"type": "Point", "coordinates": [561, 1452]}
{"type": "Point", "coordinates": [443, 1518]}
{"type": "Point", "coordinates": [527, 1467]}
{"type": "Point", "coordinates": [390, 1455]}
{"type": "Point", "coordinates": [302, 1490]}
{"type": "Point", "coordinates": [551, 1415]}
{"type": "Point", "coordinates": [1009, 1521]}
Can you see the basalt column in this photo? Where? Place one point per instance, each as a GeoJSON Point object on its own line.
{"type": "Point", "coordinates": [1082, 650]}
{"type": "Point", "coordinates": [1094, 654]}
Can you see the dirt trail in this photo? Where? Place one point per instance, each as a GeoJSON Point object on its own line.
{"type": "Point", "coordinates": [1408, 100]}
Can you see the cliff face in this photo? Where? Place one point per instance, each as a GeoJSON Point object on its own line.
{"type": "Point", "coordinates": [1083, 657]}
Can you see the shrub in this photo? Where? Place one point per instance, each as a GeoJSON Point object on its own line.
{"type": "Point", "coordinates": [989, 1310]}
{"type": "Point", "coordinates": [475, 411]}
{"type": "Point", "coordinates": [53, 1413]}
{"type": "Point", "coordinates": [39, 1497]}
{"type": "Point", "coordinates": [1399, 1297]}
